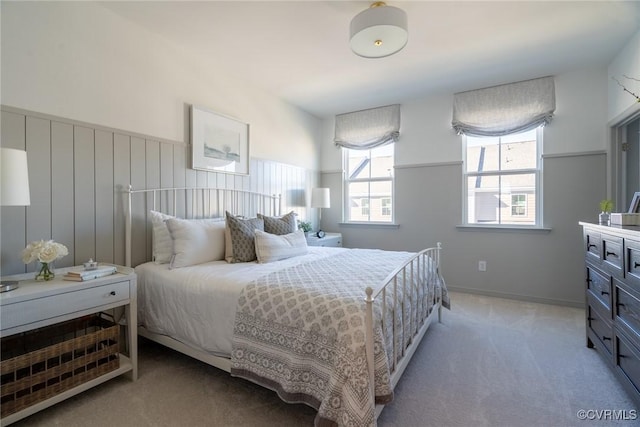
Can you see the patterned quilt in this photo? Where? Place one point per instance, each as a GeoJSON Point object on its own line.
{"type": "Point", "coordinates": [300, 331]}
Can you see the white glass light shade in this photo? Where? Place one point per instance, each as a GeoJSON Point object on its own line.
{"type": "Point", "coordinates": [320, 198]}
{"type": "Point", "coordinates": [379, 31]}
{"type": "Point", "coordinates": [14, 190]}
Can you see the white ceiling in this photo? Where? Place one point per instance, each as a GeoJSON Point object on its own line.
{"type": "Point", "coordinates": [299, 50]}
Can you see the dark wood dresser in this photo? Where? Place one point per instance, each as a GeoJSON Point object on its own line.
{"type": "Point", "coordinates": [612, 274]}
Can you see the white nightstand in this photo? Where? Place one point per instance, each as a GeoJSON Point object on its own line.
{"type": "Point", "coordinates": [329, 240]}
{"type": "Point", "coordinates": [39, 304]}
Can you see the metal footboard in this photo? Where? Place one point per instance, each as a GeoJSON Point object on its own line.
{"type": "Point", "coordinates": [404, 304]}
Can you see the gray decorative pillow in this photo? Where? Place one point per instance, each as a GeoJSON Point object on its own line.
{"type": "Point", "coordinates": [280, 225]}
{"type": "Point", "coordinates": [241, 232]}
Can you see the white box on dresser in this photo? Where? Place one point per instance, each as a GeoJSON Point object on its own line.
{"type": "Point", "coordinates": [36, 304]}
{"type": "Point", "coordinates": [625, 218]}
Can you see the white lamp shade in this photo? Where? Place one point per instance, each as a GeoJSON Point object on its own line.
{"type": "Point", "coordinates": [379, 31]}
{"type": "Point", "coordinates": [14, 189]}
{"type": "Point", "coordinates": [320, 198]}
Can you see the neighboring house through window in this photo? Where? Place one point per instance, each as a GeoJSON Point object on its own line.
{"type": "Point", "coordinates": [502, 176]}
{"type": "Point", "coordinates": [369, 184]}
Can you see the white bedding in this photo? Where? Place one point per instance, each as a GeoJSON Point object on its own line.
{"type": "Point", "coordinates": [185, 302]}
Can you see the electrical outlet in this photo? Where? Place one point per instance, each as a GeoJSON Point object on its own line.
{"type": "Point", "coordinates": [482, 265]}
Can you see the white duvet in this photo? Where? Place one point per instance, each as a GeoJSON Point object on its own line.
{"type": "Point", "coordinates": [196, 305]}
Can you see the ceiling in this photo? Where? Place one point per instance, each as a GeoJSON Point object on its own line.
{"type": "Point", "coordinates": [299, 50]}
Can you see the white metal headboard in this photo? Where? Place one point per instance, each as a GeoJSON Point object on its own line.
{"type": "Point", "coordinates": [198, 202]}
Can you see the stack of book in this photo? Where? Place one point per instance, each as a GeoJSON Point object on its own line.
{"type": "Point", "coordinates": [80, 275]}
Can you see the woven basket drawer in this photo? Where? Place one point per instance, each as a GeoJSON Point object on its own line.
{"type": "Point", "coordinates": [42, 363]}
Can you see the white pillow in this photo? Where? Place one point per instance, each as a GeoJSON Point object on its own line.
{"type": "Point", "coordinates": [273, 247]}
{"type": "Point", "coordinates": [161, 243]}
{"type": "Point", "coordinates": [196, 241]}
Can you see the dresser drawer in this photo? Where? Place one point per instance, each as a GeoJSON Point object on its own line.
{"type": "Point", "coordinates": [632, 262]}
{"type": "Point", "coordinates": [612, 255]}
{"type": "Point", "coordinates": [628, 311]}
{"type": "Point", "coordinates": [26, 312]}
{"type": "Point", "coordinates": [599, 284]}
{"type": "Point", "coordinates": [601, 328]}
{"type": "Point", "coordinates": [628, 360]}
{"type": "Point", "coordinates": [593, 246]}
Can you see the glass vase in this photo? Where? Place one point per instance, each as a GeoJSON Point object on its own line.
{"type": "Point", "coordinates": [603, 218]}
{"type": "Point", "coordinates": [46, 272]}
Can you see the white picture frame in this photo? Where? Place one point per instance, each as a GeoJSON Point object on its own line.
{"type": "Point", "coordinates": [218, 143]}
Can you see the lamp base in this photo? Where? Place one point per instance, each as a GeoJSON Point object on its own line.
{"type": "Point", "coordinates": [8, 285]}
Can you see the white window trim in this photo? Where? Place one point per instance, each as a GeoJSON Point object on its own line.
{"type": "Point", "coordinates": [345, 191]}
{"type": "Point", "coordinates": [538, 171]}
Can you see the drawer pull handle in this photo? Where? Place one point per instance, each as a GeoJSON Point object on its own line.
{"type": "Point", "coordinates": [605, 338]}
{"type": "Point", "coordinates": [636, 264]}
{"type": "Point", "coordinates": [612, 253]}
{"type": "Point", "coordinates": [591, 245]}
{"type": "Point", "coordinates": [112, 293]}
{"type": "Point", "coordinates": [604, 293]}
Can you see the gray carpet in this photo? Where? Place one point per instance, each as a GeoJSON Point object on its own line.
{"type": "Point", "coordinates": [491, 362]}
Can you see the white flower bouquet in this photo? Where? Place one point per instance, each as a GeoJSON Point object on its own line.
{"type": "Point", "coordinates": [46, 252]}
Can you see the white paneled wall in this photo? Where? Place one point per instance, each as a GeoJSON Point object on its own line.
{"type": "Point", "coordinates": [77, 172]}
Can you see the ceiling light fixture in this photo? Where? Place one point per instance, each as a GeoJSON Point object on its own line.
{"type": "Point", "coordinates": [379, 31]}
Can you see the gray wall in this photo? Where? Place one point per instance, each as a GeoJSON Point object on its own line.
{"type": "Point", "coordinates": [77, 171]}
{"type": "Point", "coordinates": [544, 266]}
{"type": "Point", "coordinates": [540, 266]}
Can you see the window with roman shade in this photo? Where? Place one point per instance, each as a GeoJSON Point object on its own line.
{"type": "Point", "coordinates": [367, 139]}
{"type": "Point", "coordinates": [505, 109]}
{"type": "Point", "coordinates": [501, 130]}
{"type": "Point", "coordinates": [367, 129]}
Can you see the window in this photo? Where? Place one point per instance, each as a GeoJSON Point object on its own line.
{"type": "Point", "coordinates": [369, 184]}
{"type": "Point", "coordinates": [502, 178]}
{"type": "Point", "coordinates": [364, 204]}
{"type": "Point", "coordinates": [386, 206]}
{"type": "Point", "coordinates": [518, 204]}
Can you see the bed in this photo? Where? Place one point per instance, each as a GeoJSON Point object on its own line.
{"type": "Point", "coordinates": [333, 328]}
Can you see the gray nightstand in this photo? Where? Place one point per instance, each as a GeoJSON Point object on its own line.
{"type": "Point", "coordinates": [329, 240]}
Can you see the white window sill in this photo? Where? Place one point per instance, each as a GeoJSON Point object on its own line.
{"type": "Point", "coordinates": [369, 224]}
{"type": "Point", "coordinates": [504, 228]}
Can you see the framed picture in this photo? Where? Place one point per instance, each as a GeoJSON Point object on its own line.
{"type": "Point", "coordinates": [634, 207]}
{"type": "Point", "coordinates": [218, 143]}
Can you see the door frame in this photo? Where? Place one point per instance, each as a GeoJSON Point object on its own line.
{"type": "Point", "coordinates": [617, 157]}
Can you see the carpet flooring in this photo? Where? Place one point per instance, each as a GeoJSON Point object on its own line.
{"type": "Point", "coordinates": [491, 362]}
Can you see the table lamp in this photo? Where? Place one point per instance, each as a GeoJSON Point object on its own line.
{"type": "Point", "coordinates": [320, 198]}
{"type": "Point", "coordinates": [14, 188]}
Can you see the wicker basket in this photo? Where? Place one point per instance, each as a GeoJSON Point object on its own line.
{"type": "Point", "coordinates": [42, 363]}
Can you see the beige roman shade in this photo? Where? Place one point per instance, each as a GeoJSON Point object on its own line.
{"type": "Point", "coordinates": [366, 129]}
{"type": "Point", "coordinates": [505, 109]}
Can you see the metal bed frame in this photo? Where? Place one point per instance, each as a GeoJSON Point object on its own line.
{"type": "Point", "coordinates": [419, 277]}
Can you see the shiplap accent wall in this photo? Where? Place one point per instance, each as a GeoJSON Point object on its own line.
{"type": "Point", "coordinates": [77, 172]}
